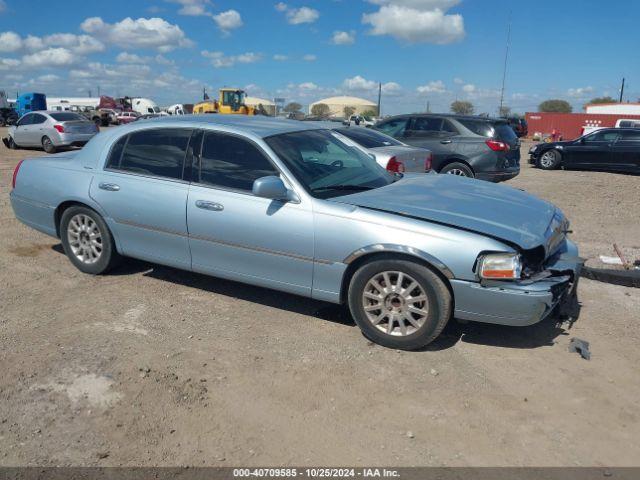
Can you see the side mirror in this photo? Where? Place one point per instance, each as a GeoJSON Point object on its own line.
{"type": "Point", "coordinates": [272, 187]}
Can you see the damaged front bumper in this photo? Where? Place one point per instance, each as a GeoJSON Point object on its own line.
{"type": "Point", "coordinates": [525, 302]}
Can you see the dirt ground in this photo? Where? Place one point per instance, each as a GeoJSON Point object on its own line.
{"type": "Point", "coordinates": [155, 366]}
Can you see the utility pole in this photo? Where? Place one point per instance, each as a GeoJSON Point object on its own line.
{"type": "Point", "coordinates": [622, 90]}
{"type": "Point", "coordinates": [428, 106]}
{"type": "Point", "coordinates": [379, 98]}
{"type": "Point", "coordinates": [506, 58]}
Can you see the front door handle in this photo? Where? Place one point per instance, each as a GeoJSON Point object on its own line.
{"type": "Point", "coordinates": [446, 142]}
{"type": "Point", "coordinates": [213, 206]}
{"type": "Point", "coordinates": [110, 187]}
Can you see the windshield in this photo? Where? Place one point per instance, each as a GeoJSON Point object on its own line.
{"type": "Point", "coordinates": [326, 166]}
{"type": "Point", "coordinates": [368, 138]}
{"type": "Point", "coordinates": [66, 117]}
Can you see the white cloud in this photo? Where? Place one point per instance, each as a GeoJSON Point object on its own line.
{"type": "Point", "coordinates": [436, 86]}
{"type": "Point", "coordinates": [359, 83]}
{"type": "Point", "coordinates": [296, 16]}
{"type": "Point", "coordinates": [162, 60]}
{"type": "Point", "coordinates": [469, 88]}
{"type": "Point", "coordinates": [280, 58]}
{"type": "Point", "coordinates": [309, 57]}
{"type": "Point", "coordinates": [391, 88]}
{"type": "Point", "coordinates": [193, 8]}
{"type": "Point", "coordinates": [580, 92]}
{"type": "Point", "coordinates": [10, 42]}
{"type": "Point", "coordinates": [47, 78]}
{"type": "Point", "coordinates": [220, 60]}
{"type": "Point", "coordinates": [124, 57]}
{"type": "Point", "coordinates": [228, 20]}
{"type": "Point", "coordinates": [140, 33]}
{"type": "Point", "coordinates": [308, 86]}
{"type": "Point", "coordinates": [416, 21]}
{"type": "Point", "coordinates": [458, 81]}
{"type": "Point", "coordinates": [343, 38]}
{"type": "Point", "coordinates": [8, 64]}
{"type": "Point", "coordinates": [50, 57]}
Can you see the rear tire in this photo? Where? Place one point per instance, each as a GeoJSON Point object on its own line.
{"type": "Point", "coordinates": [12, 144]}
{"type": "Point", "coordinates": [458, 168]}
{"type": "Point", "coordinates": [87, 241]}
{"type": "Point", "coordinates": [415, 304]}
{"type": "Point", "coordinates": [47, 145]}
{"type": "Point", "coordinates": [550, 160]}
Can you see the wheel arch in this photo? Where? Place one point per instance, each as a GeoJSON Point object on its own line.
{"type": "Point", "coordinates": [60, 209]}
{"type": "Point", "coordinates": [450, 160]}
{"type": "Point", "coordinates": [392, 252]}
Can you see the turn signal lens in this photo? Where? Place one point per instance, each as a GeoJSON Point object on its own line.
{"type": "Point", "coordinates": [500, 266]}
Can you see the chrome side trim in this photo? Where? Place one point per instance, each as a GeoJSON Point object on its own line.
{"type": "Point", "coordinates": [228, 244]}
{"type": "Point", "coordinates": [394, 248]}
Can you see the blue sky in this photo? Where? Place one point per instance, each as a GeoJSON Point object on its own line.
{"type": "Point", "coordinates": [303, 50]}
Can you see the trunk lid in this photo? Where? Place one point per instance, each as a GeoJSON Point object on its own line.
{"type": "Point", "coordinates": [78, 127]}
{"type": "Point", "coordinates": [498, 211]}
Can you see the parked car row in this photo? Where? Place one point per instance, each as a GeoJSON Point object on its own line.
{"type": "Point", "coordinates": [297, 207]}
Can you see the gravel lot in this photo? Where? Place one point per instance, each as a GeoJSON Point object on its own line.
{"type": "Point", "coordinates": [155, 366]}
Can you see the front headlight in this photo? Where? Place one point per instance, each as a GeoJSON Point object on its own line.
{"type": "Point", "coordinates": [500, 266]}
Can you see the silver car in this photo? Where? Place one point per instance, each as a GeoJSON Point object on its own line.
{"type": "Point", "coordinates": [290, 206]}
{"type": "Point", "coordinates": [50, 130]}
{"type": "Point", "coordinates": [393, 155]}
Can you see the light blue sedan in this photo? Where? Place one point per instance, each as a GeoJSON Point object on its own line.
{"type": "Point", "coordinates": [291, 206]}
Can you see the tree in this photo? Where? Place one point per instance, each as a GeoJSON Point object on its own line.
{"type": "Point", "coordinates": [597, 100]}
{"type": "Point", "coordinates": [461, 107]}
{"type": "Point", "coordinates": [320, 110]}
{"type": "Point", "coordinates": [370, 113]}
{"type": "Point", "coordinates": [292, 107]}
{"type": "Point", "coordinates": [504, 111]}
{"type": "Point", "coordinates": [555, 106]}
{"type": "Point", "coordinates": [348, 111]}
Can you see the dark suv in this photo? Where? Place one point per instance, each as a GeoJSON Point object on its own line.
{"type": "Point", "coordinates": [476, 147]}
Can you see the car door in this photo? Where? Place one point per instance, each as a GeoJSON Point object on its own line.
{"type": "Point", "coordinates": [236, 235]}
{"type": "Point", "coordinates": [625, 152]}
{"type": "Point", "coordinates": [591, 151]}
{"type": "Point", "coordinates": [144, 193]}
{"type": "Point", "coordinates": [22, 131]}
{"type": "Point", "coordinates": [37, 129]}
{"type": "Point", "coordinates": [430, 132]}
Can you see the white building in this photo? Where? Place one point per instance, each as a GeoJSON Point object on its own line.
{"type": "Point", "coordinates": [268, 105]}
{"type": "Point", "coordinates": [92, 102]}
{"type": "Point", "coordinates": [614, 108]}
{"type": "Point", "coordinates": [337, 104]}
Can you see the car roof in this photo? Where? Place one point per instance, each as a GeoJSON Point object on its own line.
{"type": "Point", "coordinates": [260, 126]}
{"type": "Point", "coordinates": [450, 115]}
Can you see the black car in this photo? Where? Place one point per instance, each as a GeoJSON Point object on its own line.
{"type": "Point", "coordinates": [611, 149]}
{"type": "Point", "coordinates": [476, 147]}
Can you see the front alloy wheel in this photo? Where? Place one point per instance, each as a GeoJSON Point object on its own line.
{"type": "Point", "coordinates": [549, 160]}
{"type": "Point", "coordinates": [399, 303]}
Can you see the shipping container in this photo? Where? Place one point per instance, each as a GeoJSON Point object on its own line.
{"type": "Point", "coordinates": [570, 125]}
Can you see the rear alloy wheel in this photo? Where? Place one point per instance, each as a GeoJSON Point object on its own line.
{"type": "Point", "coordinates": [87, 241]}
{"type": "Point", "coordinates": [48, 145]}
{"type": "Point", "coordinates": [457, 168]}
{"type": "Point", "coordinates": [399, 304]}
{"type": "Point", "coordinates": [550, 160]}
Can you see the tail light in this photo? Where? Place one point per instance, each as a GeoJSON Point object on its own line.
{"type": "Point", "coordinates": [15, 174]}
{"type": "Point", "coordinates": [497, 146]}
{"type": "Point", "coordinates": [428, 162]}
{"type": "Point", "coordinates": [59, 128]}
{"type": "Point", "coordinates": [395, 166]}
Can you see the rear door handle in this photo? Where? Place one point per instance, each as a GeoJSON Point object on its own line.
{"type": "Point", "coordinates": [110, 187]}
{"type": "Point", "coordinates": [213, 206]}
{"type": "Point", "coordinates": [446, 142]}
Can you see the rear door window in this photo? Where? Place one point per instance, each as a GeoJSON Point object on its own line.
{"type": "Point", "coordinates": [394, 128]}
{"type": "Point", "coordinates": [630, 136]}
{"type": "Point", "coordinates": [232, 162]}
{"type": "Point", "coordinates": [368, 138]}
{"type": "Point", "coordinates": [38, 119]}
{"type": "Point", "coordinates": [426, 124]}
{"type": "Point", "coordinates": [159, 152]}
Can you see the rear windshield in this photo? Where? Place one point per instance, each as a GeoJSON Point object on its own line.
{"type": "Point", "coordinates": [497, 130]}
{"type": "Point", "coordinates": [66, 117]}
{"type": "Point", "coordinates": [368, 138]}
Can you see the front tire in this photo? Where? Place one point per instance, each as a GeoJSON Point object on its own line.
{"type": "Point", "coordinates": [87, 241]}
{"type": "Point", "coordinates": [399, 304]}
{"type": "Point", "coordinates": [12, 144]}
{"type": "Point", "coordinates": [47, 145]}
{"type": "Point", "coordinates": [550, 160]}
{"type": "Point", "coordinates": [458, 168]}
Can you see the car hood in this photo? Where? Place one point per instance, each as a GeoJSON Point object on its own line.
{"type": "Point", "coordinates": [494, 210]}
